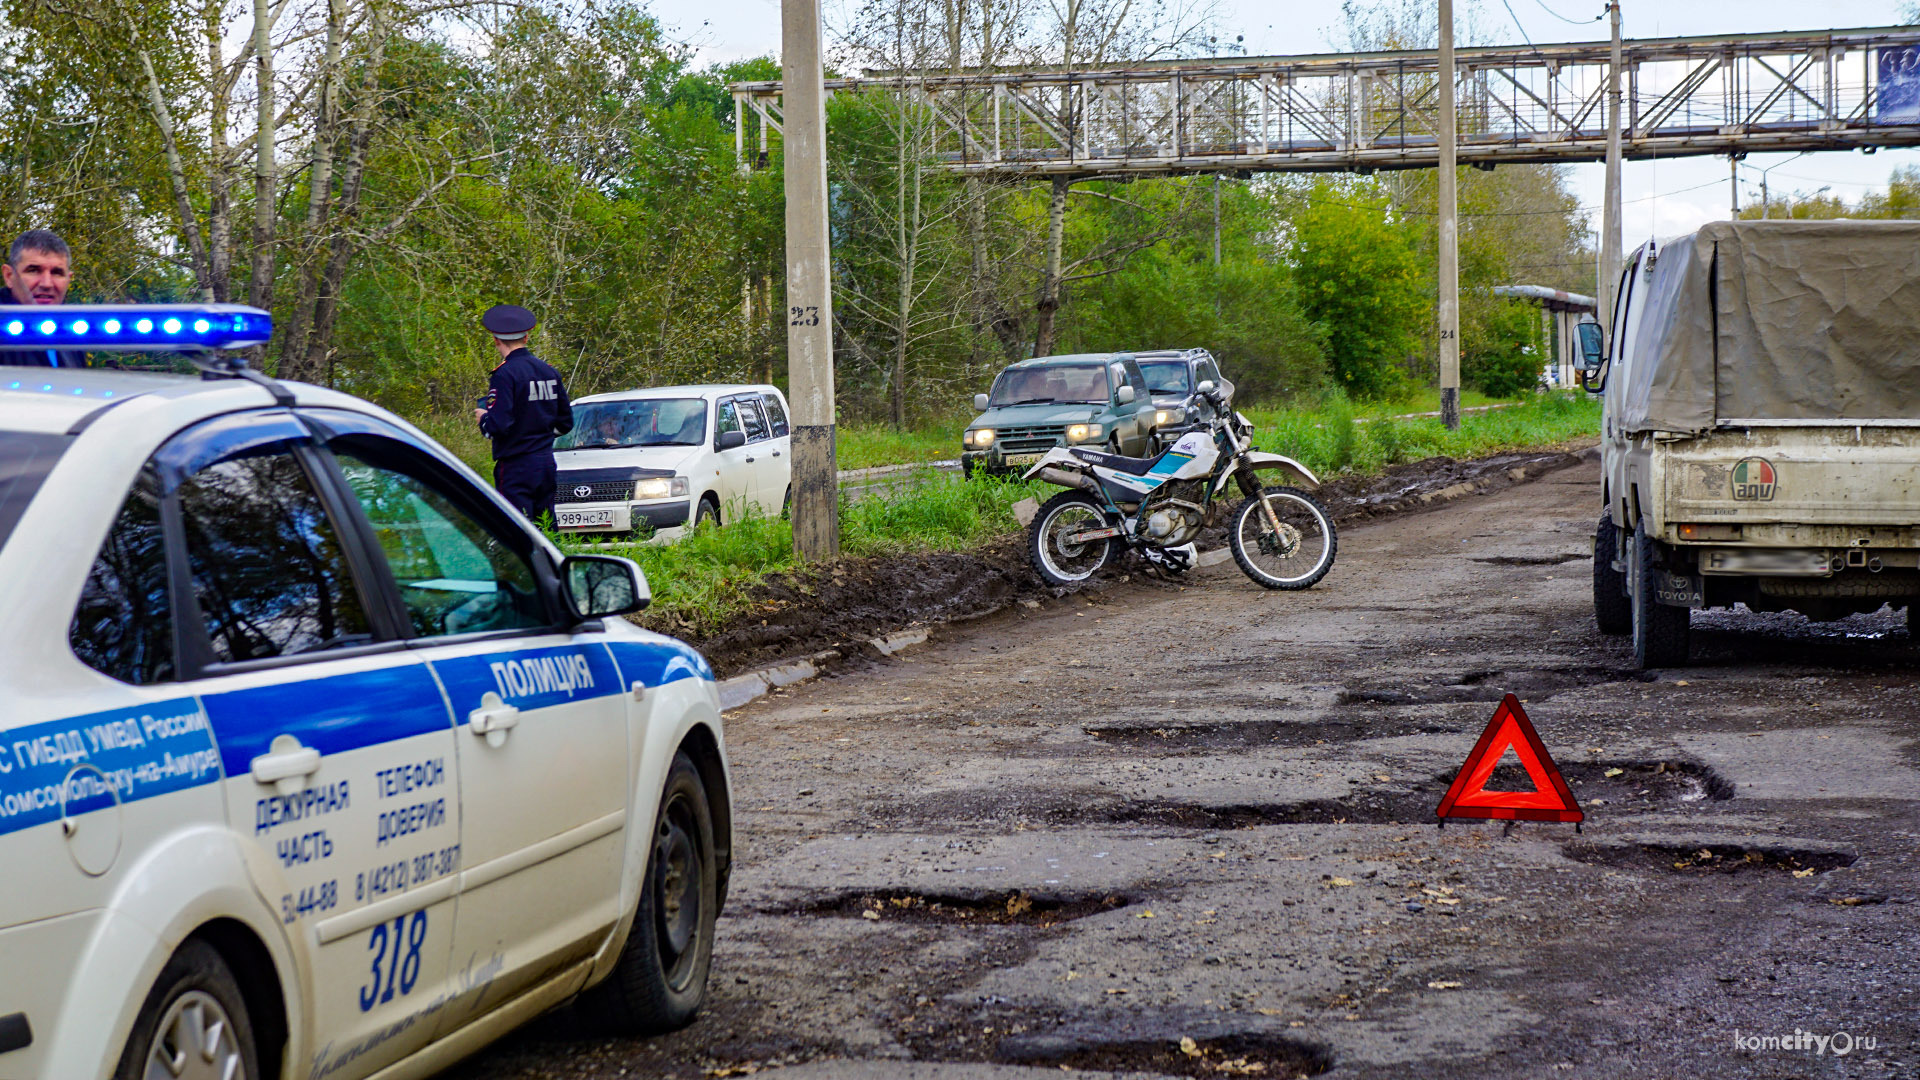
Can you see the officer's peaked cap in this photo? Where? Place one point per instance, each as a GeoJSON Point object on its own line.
{"type": "Point", "coordinates": [507, 320]}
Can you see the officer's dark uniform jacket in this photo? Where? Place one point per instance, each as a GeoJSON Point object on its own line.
{"type": "Point", "coordinates": [526, 407]}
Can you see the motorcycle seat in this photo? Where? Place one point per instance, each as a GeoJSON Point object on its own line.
{"type": "Point", "coordinates": [1134, 466]}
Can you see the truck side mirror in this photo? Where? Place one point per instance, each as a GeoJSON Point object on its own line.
{"type": "Point", "coordinates": [979, 403]}
{"type": "Point", "coordinates": [1124, 395]}
{"type": "Point", "coordinates": [1592, 347]}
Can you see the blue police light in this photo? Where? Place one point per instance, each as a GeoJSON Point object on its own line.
{"type": "Point", "coordinates": [137, 327]}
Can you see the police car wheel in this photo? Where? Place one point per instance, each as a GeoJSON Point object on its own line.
{"type": "Point", "coordinates": [661, 977]}
{"type": "Point", "coordinates": [193, 1024]}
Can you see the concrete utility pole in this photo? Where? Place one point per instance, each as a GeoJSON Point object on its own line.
{"type": "Point", "coordinates": [1449, 234]}
{"type": "Point", "coordinates": [1610, 213]}
{"type": "Point", "coordinates": [816, 485]}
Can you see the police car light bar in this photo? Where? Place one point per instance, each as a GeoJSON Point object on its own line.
{"type": "Point", "coordinates": [133, 327]}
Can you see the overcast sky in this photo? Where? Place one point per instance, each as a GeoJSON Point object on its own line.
{"type": "Point", "coordinates": [1662, 198]}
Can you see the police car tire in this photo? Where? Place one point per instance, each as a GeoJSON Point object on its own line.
{"type": "Point", "coordinates": [649, 992]}
{"type": "Point", "coordinates": [196, 973]}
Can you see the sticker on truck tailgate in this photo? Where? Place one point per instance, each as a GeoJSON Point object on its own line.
{"type": "Point", "coordinates": [1753, 480]}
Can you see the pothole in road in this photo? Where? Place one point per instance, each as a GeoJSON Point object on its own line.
{"type": "Point", "coordinates": [1532, 560]}
{"type": "Point", "coordinates": [1533, 685]}
{"type": "Point", "coordinates": [1017, 908]}
{"type": "Point", "coordinates": [1242, 733]}
{"type": "Point", "coordinates": [1708, 858]}
{"type": "Point", "coordinates": [1251, 1054]}
{"type": "Point", "coordinates": [1594, 783]}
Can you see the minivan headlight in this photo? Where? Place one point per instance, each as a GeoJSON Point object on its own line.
{"type": "Point", "coordinates": [659, 487]}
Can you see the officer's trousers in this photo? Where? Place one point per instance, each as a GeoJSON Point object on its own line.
{"type": "Point", "coordinates": [527, 483]}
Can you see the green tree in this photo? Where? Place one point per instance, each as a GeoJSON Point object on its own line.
{"type": "Point", "coordinates": [1360, 278]}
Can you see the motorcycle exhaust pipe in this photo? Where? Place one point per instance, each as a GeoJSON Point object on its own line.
{"type": "Point", "coordinates": [1067, 479]}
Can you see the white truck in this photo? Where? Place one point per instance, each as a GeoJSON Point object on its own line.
{"type": "Point", "coordinates": [1761, 432]}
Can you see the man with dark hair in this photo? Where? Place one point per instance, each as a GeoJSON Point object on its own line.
{"type": "Point", "coordinates": [38, 271]}
{"type": "Point", "coordinates": [525, 407]}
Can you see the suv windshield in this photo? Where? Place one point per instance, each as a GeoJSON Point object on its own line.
{"type": "Point", "coordinates": [649, 422]}
{"type": "Point", "coordinates": [1166, 377]}
{"type": "Point", "coordinates": [1055, 384]}
{"type": "Point", "coordinates": [25, 460]}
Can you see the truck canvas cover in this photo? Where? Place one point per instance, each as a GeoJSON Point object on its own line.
{"type": "Point", "coordinates": [1776, 320]}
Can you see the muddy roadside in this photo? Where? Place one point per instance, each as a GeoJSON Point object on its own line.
{"type": "Point", "coordinates": [841, 607]}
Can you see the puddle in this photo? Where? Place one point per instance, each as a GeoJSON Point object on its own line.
{"type": "Point", "coordinates": [1708, 858]}
{"type": "Point", "coordinates": [1532, 560]}
{"type": "Point", "coordinates": [1018, 908]}
{"type": "Point", "coordinates": [1226, 1055]}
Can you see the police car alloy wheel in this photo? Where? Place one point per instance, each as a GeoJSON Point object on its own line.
{"type": "Point", "coordinates": [193, 1025]}
{"type": "Point", "coordinates": [661, 978]}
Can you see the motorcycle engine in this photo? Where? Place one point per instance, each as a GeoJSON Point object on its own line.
{"type": "Point", "coordinates": [1171, 515]}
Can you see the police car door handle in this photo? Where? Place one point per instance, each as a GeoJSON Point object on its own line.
{"type": "Point", "coordinates": [286, 765]}
{"type": "Point", "coordinates": [493, 718]}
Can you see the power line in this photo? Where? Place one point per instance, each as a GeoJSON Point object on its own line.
{"type": "Point", "coordinates": [1564, 19]}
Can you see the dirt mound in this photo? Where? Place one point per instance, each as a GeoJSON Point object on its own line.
{"type": "Point", "coordinates": [844, 605]}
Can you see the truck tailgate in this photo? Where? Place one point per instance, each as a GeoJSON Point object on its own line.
{"type": "Point", "coordinates": [1803, 475]}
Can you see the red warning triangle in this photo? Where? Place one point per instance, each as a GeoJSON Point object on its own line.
{"type": "Point", "coordinates": [1550, 800]}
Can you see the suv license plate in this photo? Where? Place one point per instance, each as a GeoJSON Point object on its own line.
{"type": "Point", "coordinates": [574, 519]}
{"type": "Point", "coordinates": [1022, 459]}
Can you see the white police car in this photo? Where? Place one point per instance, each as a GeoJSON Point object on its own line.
{"type": "Point", "coordinates": [316, 762]}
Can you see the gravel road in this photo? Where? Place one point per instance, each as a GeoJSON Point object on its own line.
{"type": "Point", "coordinates": [1185, 829]}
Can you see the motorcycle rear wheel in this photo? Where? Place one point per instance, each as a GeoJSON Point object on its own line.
{"type": "Point", "coordinates": [1295, 558]}
{"type": "Point", "coordinates": [1057, 561]}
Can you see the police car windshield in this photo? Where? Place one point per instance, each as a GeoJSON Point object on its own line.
{"type": "Point", "coordinates": [605, 425]}
{"type": "Point", "coordinates": [1054, 384]}
{"type": "Point", "coordinates": [1166, 377]}
{"type": "Point", "coordinates": [25, 460]}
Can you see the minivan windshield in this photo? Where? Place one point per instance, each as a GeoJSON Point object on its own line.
{"type": "Point", "coordinates": [1166, 377]}
{"type": "Point", "coordinates": [603, 425]}
{"type": "Point", "coordinates": [1054, 384]}
{"type": "Point", "coordinates": [25, 460]}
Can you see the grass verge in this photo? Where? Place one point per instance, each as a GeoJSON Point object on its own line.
{"type": "Point", "coordinates": [706, 579]}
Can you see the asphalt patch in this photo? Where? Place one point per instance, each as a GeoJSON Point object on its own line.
{"type": "Point", "coordinates": [1016, 908]}
{"type": "Point", "coordinates": [1710, 858]}
{"type": "Point", "coordinates": [1250, 1054]}
{"type": "Point", "coordinates": [1536, 684]}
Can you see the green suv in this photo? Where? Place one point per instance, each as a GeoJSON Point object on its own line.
{"type": "Point", "coordinates": [1085, 399]}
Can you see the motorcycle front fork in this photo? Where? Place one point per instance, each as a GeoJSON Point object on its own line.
{"type": "Point", "coordinates": [1250, 485]}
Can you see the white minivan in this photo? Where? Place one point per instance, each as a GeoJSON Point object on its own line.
{"type": "Point", "coordinates": [662, 458]}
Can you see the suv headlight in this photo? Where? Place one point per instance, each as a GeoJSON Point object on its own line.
{"type": "Point", "coordinates": [660, 487]}
{"type": "Point", "coordinates": [1084, 432]}
{"type": "Point", "coordinates": [978, 438]}
{"type": "Point", "coordinates": [1163, 417]}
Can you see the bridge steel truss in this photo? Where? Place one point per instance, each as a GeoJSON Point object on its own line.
{"type": "Point", "coordinates": [1830, 90]}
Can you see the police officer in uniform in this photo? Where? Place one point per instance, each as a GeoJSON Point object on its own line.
{"type": "Point", "coordinates": [525, 407]}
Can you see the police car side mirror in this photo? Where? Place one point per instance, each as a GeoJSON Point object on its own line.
{"type": "Point", "coordinates": [728, 440]}
{"type": "Point", "coordinates": [979, 403]}
{"type": "Point", "coordinates": [603, 585]}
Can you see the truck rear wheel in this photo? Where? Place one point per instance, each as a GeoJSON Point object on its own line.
{"type": "Point", "coordinates": [1660, 632]}
{"type": "Point", "coordinates": [1611, 608]}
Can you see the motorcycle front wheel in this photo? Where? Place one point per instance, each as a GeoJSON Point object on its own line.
{"type": "Point", "coordinates": [1294, 557]}
{"type": "Point", "coordinates": [1056, 557]}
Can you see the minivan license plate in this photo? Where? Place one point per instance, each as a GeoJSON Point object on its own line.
{"type": "Point", "coordinates": [574, 519]}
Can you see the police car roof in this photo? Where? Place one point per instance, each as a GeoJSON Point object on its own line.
{"type": "Point", "coordinates": [700, 390]}
{"type": "Point", "coordinates": [54, 399]}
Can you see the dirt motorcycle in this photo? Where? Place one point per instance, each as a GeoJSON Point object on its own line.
{"type": "Point", "coordinates": [1281, 536]}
